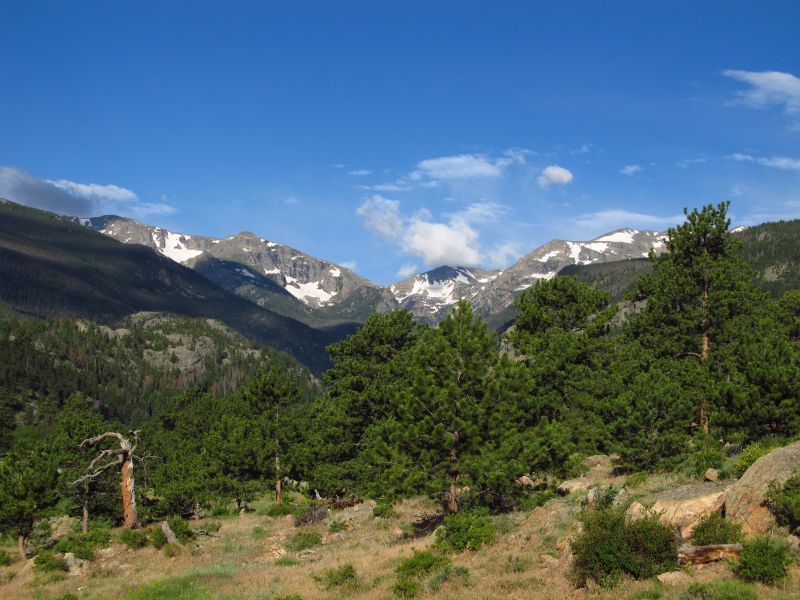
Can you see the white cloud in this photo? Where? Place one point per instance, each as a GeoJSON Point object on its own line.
{"type": "Point", "coordinates": [387, 187]}
{"type": "Point", "coordinates": [630, 169]}
{"type": "Point", "coordinates": [462, 166]}
{"type": "Point", "coordinates": [784, 163]}
{"type": "Point", "coordinates": [481, 212]}
{"type": "Point", "coordinates": [584, 149]}
{"type": "Point", "coordinates": [454, 243]}
{"type": "Point", "coordinates": [76, 199]}
{"type": "Point", "coordinates": [615, 218]}
{"type": "Point", "coordinates": [360, 172]}
{"type": "Point", "coordinates": [381, 216]}
{"type": "Point", "coordinates": [685, 164]}
{"type": "Point", "coordinates": [407, 270]}
{"type": "Point", "coordinates": [554, 175]}
{"type": "Point", "coordinates": [503, 255]}
{"type": "Point", "coordinates": [768, 88]}
{"type": "Point", "coordinates": [349, 264]}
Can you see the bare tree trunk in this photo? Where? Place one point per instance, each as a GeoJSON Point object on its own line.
{"type": "Point", "coordinates": [238, 505]}
{"type": "Point", "coordinates": [85, 520]}
{"type": "Point", "coordinates": [699, 555]}
{"type": "Point", "coordinates": [21, 547]}
{"type": "Point", "coordinates": [452, 500]}
{"type": "Point", "coordinates": [278, 496]}
{"type": "Point", "coordinates": [129, 517]}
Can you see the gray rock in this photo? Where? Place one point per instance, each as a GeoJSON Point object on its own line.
{"type": "Point", "coordinates": [744, 500]}
{"type": "Point", "coordinates": [711, 475]}
{"type": "Point", "coordinates": [675, 579]}
{"type": "Point", "coordinates": [75, 566]}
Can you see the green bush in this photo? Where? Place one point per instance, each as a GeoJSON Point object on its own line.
{"type": "Point", "coordinates": [531, 501]}
{"type": "Point", "coordinates": [636, 479]}
{"type": "Point", "coordinates": [286, 561]}
{"type": "Point", "coordinates": [406, 588]}
{"type": "Point", "coordinates": [610, 545]}
{"type": "Point", "coordinates": [748, 456]}
{"type": "Point", "coordinates": [133, 538]}
{"type": "Point", "coordinates": [279, 510]}
{"type": "Point", "coordinates": [727, 589]}
{"type": "Point", "coordinates": [784, 502]}
{"type": "Point", "coordinates": [171, 550]}
{"type": "Point", "coordinates": [764, 559]}
{"type": "Point", "coordinates": [384, 510]}
{"type": "Point", "coordinates": [447, 574]}
{"type": "Point", "coordinates": [708, 456]}
{"type": "Point", "coordinates": [180, 528]}
{"type": "Point", "coordinates": [5, 558]}
{"type": "Point", "coordinates": [302, 540]}
{"type": "Point", "coordinates": [336, 526]}
{"type": "Point", "coordinates": [716, 529]}
{"type": "Point", "coordinates": [310, 514]}
{"type": "Point", "coordinates": [47, 561]}
{"type": "Point", "coordinates": [79, 545]}
{"type": "Point", "coordinates": [334, 578]}
{"type": "Point", "coordinates": [258, 533]}
{"type": "Point", "coordinates": [158, 538]}
{"type": "Point", "coordinates": [517, 564]}
{"type": "Point", "coordinates": [467, 530]}
{"type": "Point", "coordinates": [421, 563]}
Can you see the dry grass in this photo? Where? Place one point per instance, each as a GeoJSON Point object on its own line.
{"type": "Point", "coordinates": [529, 560]}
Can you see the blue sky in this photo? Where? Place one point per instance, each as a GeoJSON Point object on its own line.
{"type": "Point", "coordinates": [399, 135]}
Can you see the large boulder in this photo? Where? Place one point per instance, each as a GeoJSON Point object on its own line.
{"type": "Point", "coordinates": [745, 498]}
{"type": "Point", "coordinates": [683, 507]}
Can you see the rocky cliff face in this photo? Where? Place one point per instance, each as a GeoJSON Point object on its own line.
{"type": "Point", "coordinates": [264, 271]}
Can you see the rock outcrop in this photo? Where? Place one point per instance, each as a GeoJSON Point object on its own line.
{"type": "Point", "coordinates": [744, 501]}
{"type": "Point", "coordinates": [683, 507]}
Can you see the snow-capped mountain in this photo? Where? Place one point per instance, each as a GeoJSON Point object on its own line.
{"type": "Point", "coordinates": [429, 295]}
{"type": "Point", "coordinates": [266, 272]}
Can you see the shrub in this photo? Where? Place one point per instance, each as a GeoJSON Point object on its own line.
{"type": "Point", "coordinates": [748, 456]}
{"type": "Point", "coordinates": [764, 559]}
{"type": "Point", "coordinates": [448, 574]}
{"type": "Point", "coordinates": [728, 589]}
{"type": "Point", "coordinates": [286, 561]}
{"type": "Point", "coordinates": [635, 479]}
{"type": "Point", "coordinates": [171, 550]}
{"type": "Point", "coordinates": [336, 526]}
{"type": "Point", "coordinates": [784, 502]}
{"type": "Point", "coordinates": [384, 510]}
{"type": "Point", "coordinates": [46, 561]}
{"type": "Point", "coordinates": [716, 529]}
{"type": "Point", "coordinates": [708, 456]}
{"type": "Point", "coordinates": [133, 538]}
{"type": "Point", "coordinates": [517, 564]}
{"type": "Point", "coordinates": [157, 538]}
{"type": "Point", "coordinates": [81, 546]}
{"type": "Point", "coordinates": [302, 540]}
{"type": "Point", "coordinates": [279, 510]}
{"type": "Point", "coordinates": [180, 528]}
{"type": "Point", "coordinates": [606, 499]}
{"type": "Point", "coordinates": [5, 558]}
{"type": "Point", "coordinates": [610, 545]}
{"type": "Point", "coordinates": [333, 578]}
{"type": "Point", "coordinates": [310, 514]}
{"type": "Point", "coordinates": [531, 501]}
{"type": "Point", "coordinates": [467, 530]}
{"type": "Point", "coordinates": [406, 588]}
{"type": "Point", "coordinates": [258, 533]}
{"type": "Point", "coordinates": [422, 563]}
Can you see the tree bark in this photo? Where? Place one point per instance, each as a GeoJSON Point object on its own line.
{"type": "Point", "coordinates": [698, 555]}
{"type": "Point", "coordinates": [278, 495]}
{"type": "Point", "coordinates": [452, 501]}
{"type": "Point", "coordinates": [129, 517]}
{"type": "Point", "coordinates": [704, 352]}
{"type": "Point", "coordinates": [21, 547]}
{"type": "Point", "coordinates": [85, 520]}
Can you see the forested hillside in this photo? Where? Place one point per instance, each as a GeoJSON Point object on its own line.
{"type": "Point", "coordinates": [50, 266]}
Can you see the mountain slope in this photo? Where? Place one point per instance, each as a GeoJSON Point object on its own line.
{"type": "Point", "coordinates": [272, 275]}
{"type": "Point", "coordinates": [52, 266]}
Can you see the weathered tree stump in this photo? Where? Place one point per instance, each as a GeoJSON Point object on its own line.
{"type": "Point", "coordinates": [698, 555]}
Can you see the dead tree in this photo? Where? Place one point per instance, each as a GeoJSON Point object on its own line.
{"type": "Point", "coordinates": [122, 458]}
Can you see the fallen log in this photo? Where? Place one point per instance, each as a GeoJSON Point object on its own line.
{"type": "Point", "coordinates": [204, 532]}
{"type": "Point", "coordinates": [698, 555]}
{"type": "Point", "coordinates": [169, 534]}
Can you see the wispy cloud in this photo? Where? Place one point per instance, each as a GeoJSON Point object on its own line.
{"type": "Point", "coordinates": [360, 172]}
{"type": "Point", "coordinates": [407, 270]}
{"type": "Point", "coordinates": [462, 166]}
{"type": "Point", "coordinates": [349, 264]}
{"type": "Point", "coordinates": [554, 175]}
{"type": "Point", "coordinates": [73, 198]}
{"type": "Point", "coordinates": [784, 163]}
{"type": "Point", "coordinates": [768, 88]}
{"type": "Point", "coordinates": [615, 218]}
{"type": "Point", "coordinates": [381, 216]}
{"type": "Point", "coordinates": [584, 149]}
{"type": "Point", "coordinates": [688, 162]}
{"type": "Point", "coordinates": [630, 170]}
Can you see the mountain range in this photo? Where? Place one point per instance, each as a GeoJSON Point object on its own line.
{"type": "Point", "coordinates": [315, 291]}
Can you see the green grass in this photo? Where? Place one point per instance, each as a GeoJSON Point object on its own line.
{"type": "Point", "coordinates": [303, 540]}
{"type": "Point", "coordinates": [193, 584]}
